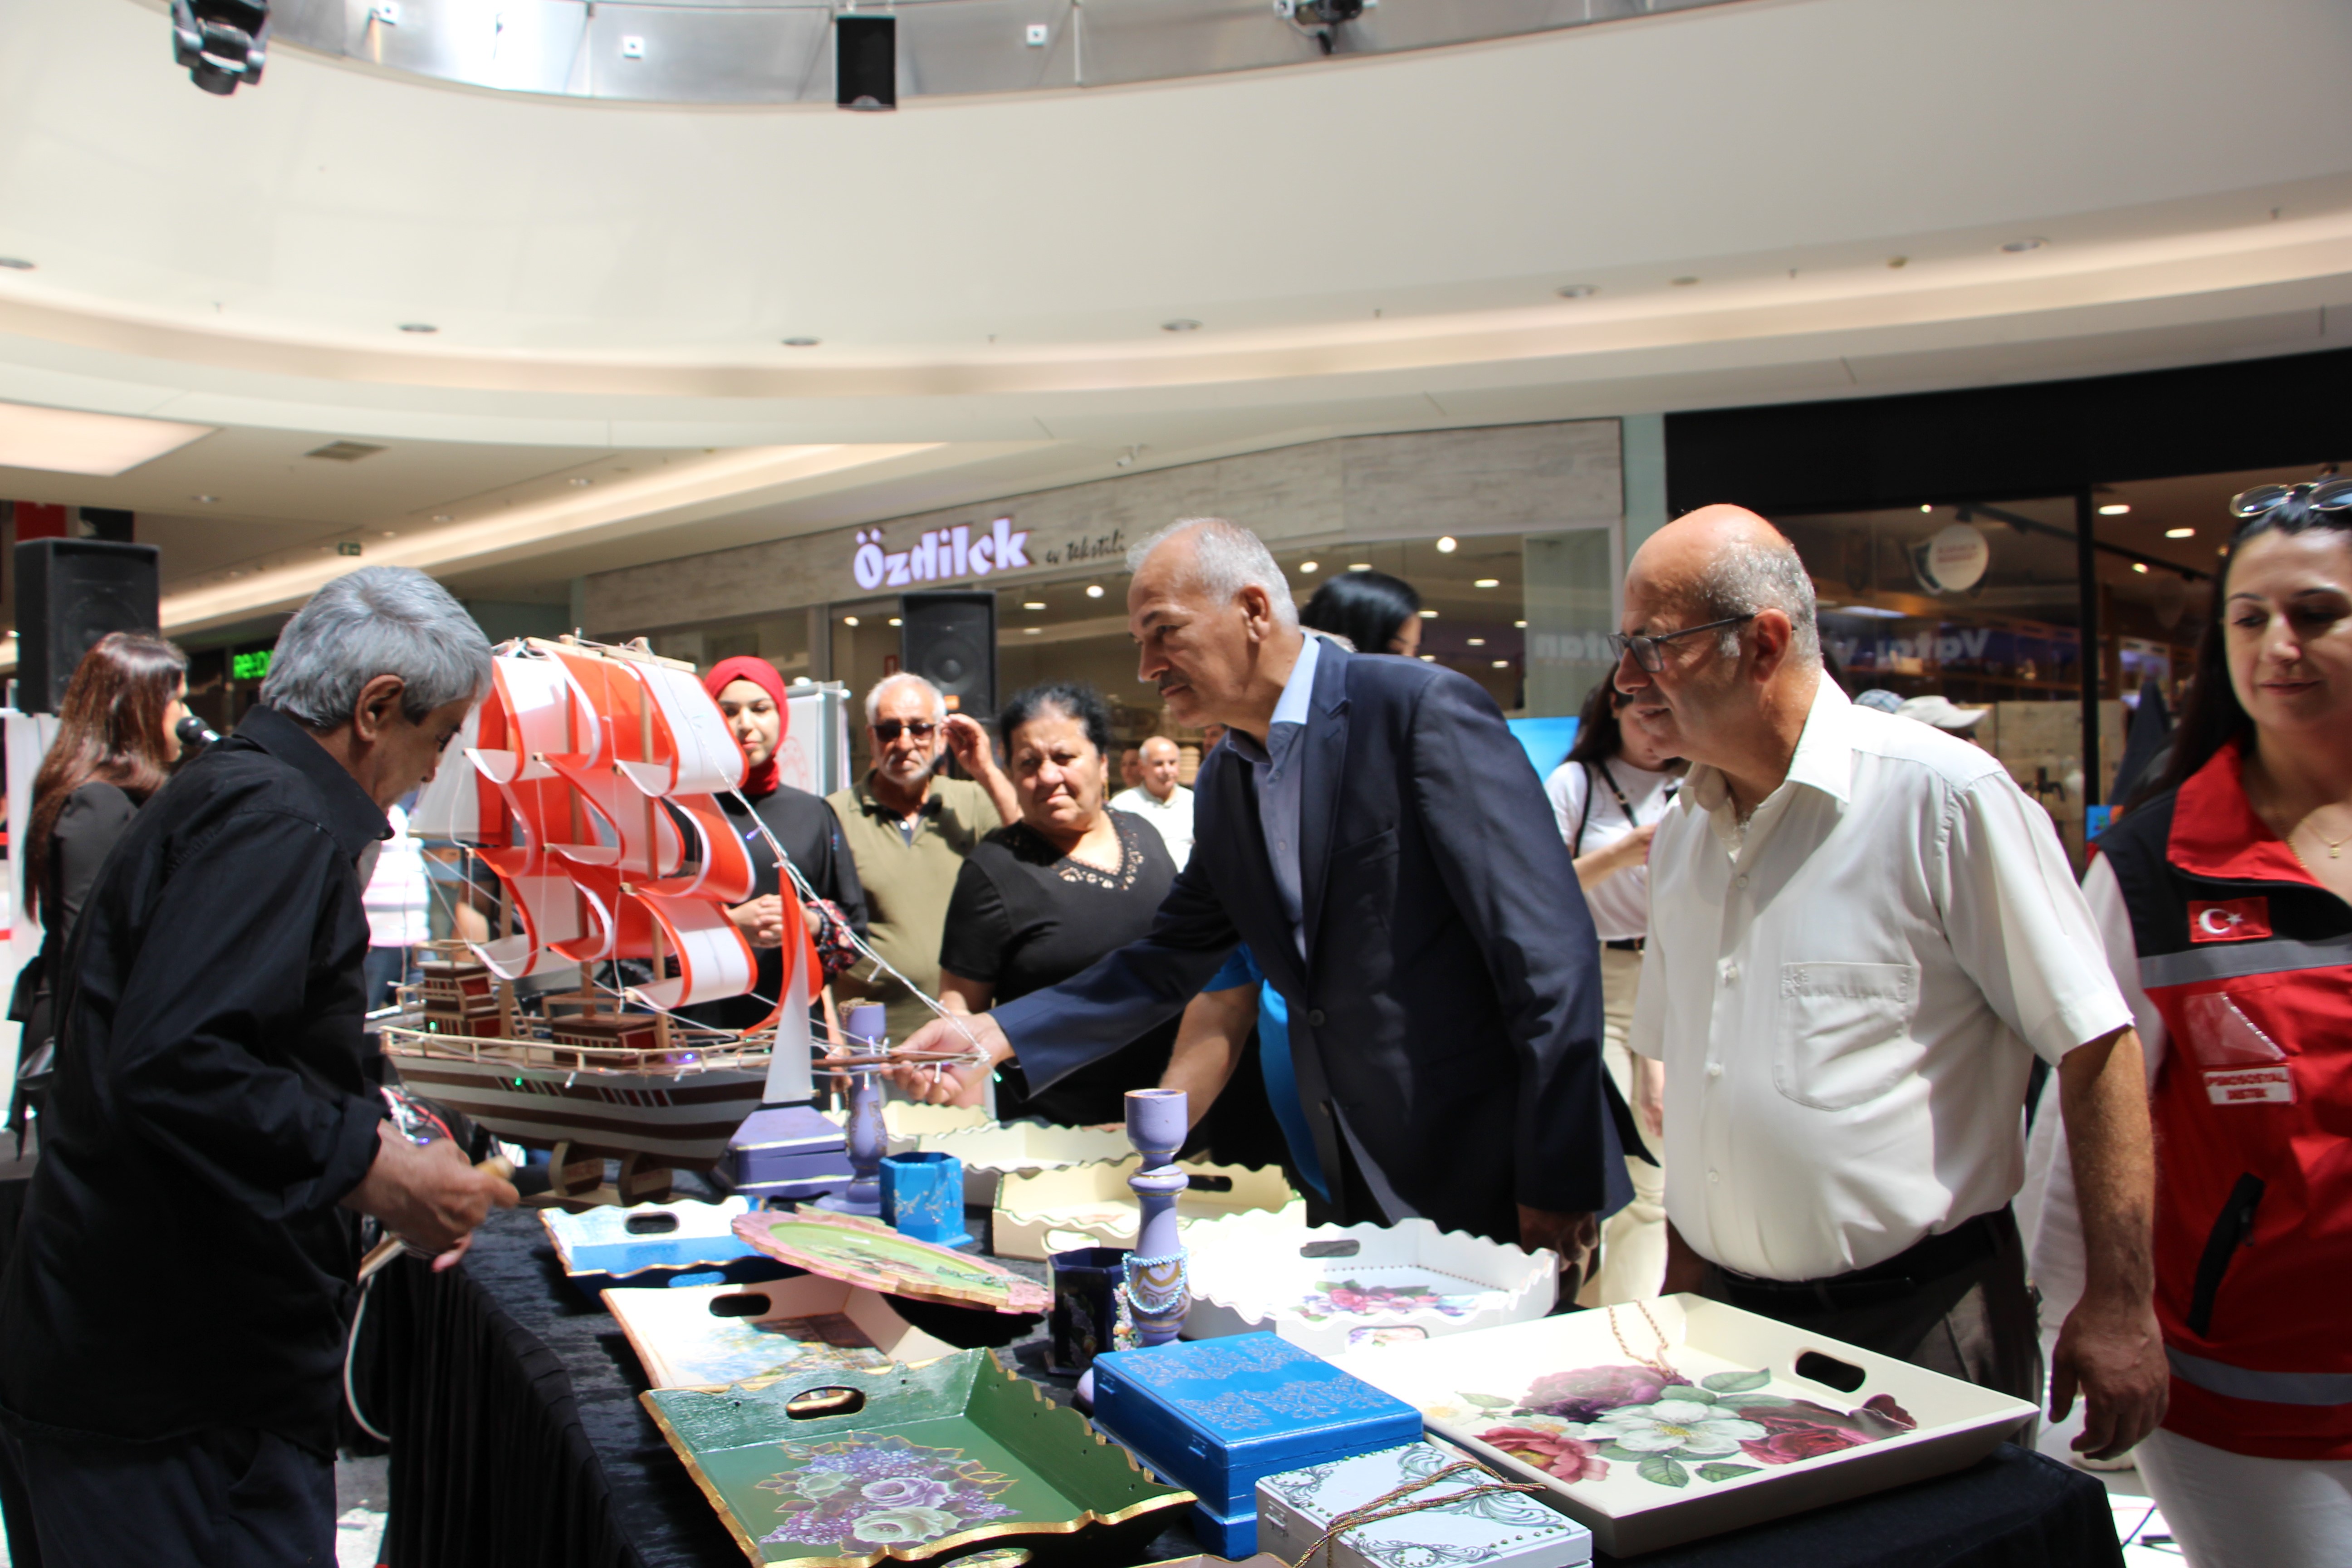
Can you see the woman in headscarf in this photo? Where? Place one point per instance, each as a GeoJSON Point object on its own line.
{"type": "Point", "coordinates": [750, 696]}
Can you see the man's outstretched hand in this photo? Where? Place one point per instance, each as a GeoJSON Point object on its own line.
{"type": "Point", "coordinates": [431, 1198]}
{"type": "Point", "coordinates": [935, 1083]}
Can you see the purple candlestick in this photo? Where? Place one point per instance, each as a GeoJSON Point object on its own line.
{"type": "Point", "coordinates": [1157, 1292]}
{"type": "Point", "coordinates": [866, 1140]}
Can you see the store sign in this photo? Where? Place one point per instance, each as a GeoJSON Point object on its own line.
{"type": "Point", "coordinates": [941, 554]}
{"type": "Point", "coordinates": [1955, 560]}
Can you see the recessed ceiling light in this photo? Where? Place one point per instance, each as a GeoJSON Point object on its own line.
{"type": "Point", "coordinates": [1577, 290]}
{"type": "Point", "coordinates": [1310, 567]}
{"type": "Point", "coordinates": [1181, 325]}
{"type": "Point", "coordinates": [420, 328]}
{"type": "Point", "coordinates": [801, 342]}
{"type": "Point", "coordinates": [445, 517]}
{"type": "Point", "coordinates": [2114, 509]}
{"type": "Point", "coordinates": [16, 264]}
{"type": "Point", "coordinates": [1502, 664]}
{"type": "Point", "coordinates": [1448, 545]}
{"type": "Point", "coordinates": [849, 620]}
{"type": "Point", "coordinates": [2179, 533]}
{"type": "Point", "coordinates": [1032, 603]}
{"type": "Point", "coordinates": [1094, 590]}
{"type": "Point", "coordinates": [897, 621]}
{"type": "Point", "coordinates": [1031, 631]}
{"type": "Point", "coordinates": [1477, 642]}
{"type": "Point", "coordinates": [2020, 246]}
{"type": "Point", "coordinates": [237, 574]}
{"type": "Point", "coordinates": [1521, 625]}
{"type": "Point", "coordinates": [206, 501]}
{"type": "Point", "coordinates": [1429, 658]}
{"type": "Point", "coordinates": [1487, 582]}
{"type": "Point", "coordinates": [392, 534]}
{"type": "Point", "coordinates": [1685, 282]}
{"type": "Point", "coordinates": [1926, 508]}
{"type": "Point", "coordinates": [2140, 566]}
{"type": "Point", "coordinates": [1429, 614]}
{"type": "Point", "coordinates": [1359, 566]}
{"type": "Point", "coordinates": [100, 446]}
{"type": "Point", "coordinates": [581, 481]}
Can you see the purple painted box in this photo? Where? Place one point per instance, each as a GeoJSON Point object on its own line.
{"type": "Point", "coordinates": [786, 1152]}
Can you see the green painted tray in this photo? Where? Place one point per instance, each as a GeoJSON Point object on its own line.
{"type": "Point", "coordinates": [936, 1459]}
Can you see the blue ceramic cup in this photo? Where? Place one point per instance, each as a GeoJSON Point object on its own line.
{"type": "Point", "coordinates": [922, 1195]}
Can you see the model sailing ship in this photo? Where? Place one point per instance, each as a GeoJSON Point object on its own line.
{"type": "Point", "coordinates": [587, 783]}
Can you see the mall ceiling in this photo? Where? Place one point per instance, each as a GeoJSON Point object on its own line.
{"type": "Point", "coordinates": [1769, 200]}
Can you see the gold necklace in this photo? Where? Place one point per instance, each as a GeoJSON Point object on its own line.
{"type": "Point", "coordinates": [2334, 845]}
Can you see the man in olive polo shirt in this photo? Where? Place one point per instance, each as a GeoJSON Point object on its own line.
{"type": "Point", "coordinates": [909, 830]}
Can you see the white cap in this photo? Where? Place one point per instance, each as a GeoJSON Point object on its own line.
{"type": "Point", "coordinates": [1942, 713]}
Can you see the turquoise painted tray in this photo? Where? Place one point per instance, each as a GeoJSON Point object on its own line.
{"type": "Point", "coordinates": [932, 1458]}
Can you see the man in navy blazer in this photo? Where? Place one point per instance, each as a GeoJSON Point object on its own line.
{"type": "Point", "coordinates": [1371, 830]}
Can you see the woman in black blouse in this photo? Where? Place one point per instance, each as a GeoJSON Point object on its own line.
{"type": "Point", "coordinates": [117, 739]}
{"type": "Point", "coordinates": [1043, 898]}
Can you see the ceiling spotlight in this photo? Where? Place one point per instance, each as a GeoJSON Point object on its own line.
{"type": "Point", "coordinates": [2179, 533]}
{"type": "Point", "coordinates": [421, 328]}
{"type": "Point", "coordinates": [1577, 290]}
{"type": "Point", "coordinates": [206, 501]}
{"type": "Point", "coordinates": [1429, 658]}
{"type": "Point", "coordinates": [1926, 508]}
{"type": "Point", "coordinates": [581, 482]}
{"type": "Point", "coordinates": [801, 342]}
{"type": "Point", "coordinates": [2114, 509]}
{"type": "Point", "coordinates": [897, 621]}
{"type": "Point", "coordinates": [1448, 545]}
{"type": "Point", "coordinates": [1521, 625]}
{"type": "Point", "coordinates": [1477, 642]}
{"type": "Point", "coordinates": [2140, 566]}
{"type": "Point", "coordinates": [392, 534]}
{"type": "Point", "coordinates": [443, 517]}
{"type": "Point", "coordinates": [1685, 282]}
{"type": "Point", "coordinates": [222, 43]}
{"type": "Point", "coordinates": [1310, 567]}
{"type": "Point", "coordinates": [1181, 325]}
{"type": "Point", "coordinates": [1031, 631]}
{"type": "Point", "coordinates": [1359, 566]}
{"type": "Point", "coordinates": [1502, 664]}
{"type": "Point", "coordinates": [1032, 603]}
{"type": "Point", "coordinates": [16, 264]}
{"type": "Point", "coordinates": [1429, 614]}
{"type": "Point", "coordinates": [849, 620]}
{"type": "Point", "coordinates": [1487, 582]}
{"type": "Point", "coordinates": [1094, 590]}
{"type": "Point", "coordinates": [2020, 246]}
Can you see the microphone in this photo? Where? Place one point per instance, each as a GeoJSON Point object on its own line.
{"type": "Point", "coordinates": [194, 735]}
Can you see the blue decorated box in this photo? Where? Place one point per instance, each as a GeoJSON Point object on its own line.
{"type": "Point", "coordinates": [1217, 1417]}
{"type": "Point", "coordinates": [658, 1244]}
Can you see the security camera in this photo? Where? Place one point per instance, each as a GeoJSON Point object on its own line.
{"type": "Point", "coordinates": [1318, 13]}
{"type": "Point", "coordinates": [223, 43]}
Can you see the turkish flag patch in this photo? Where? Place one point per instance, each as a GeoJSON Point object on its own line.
{"type": "Point", "coordinates": [2231, 919]}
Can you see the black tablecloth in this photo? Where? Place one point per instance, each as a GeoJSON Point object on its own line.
{"type": "Point", "coordinates": [518, 1442]}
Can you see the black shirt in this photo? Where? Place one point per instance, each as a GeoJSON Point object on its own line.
{"type": "Point", "coordinates": [811, 835]}
{"type": "Point", "coordinates": [1026, 916]}
{"type": "Point", "coordinates": [91, 823]}
{"type": "Point", "coordinates": [182, 1264]}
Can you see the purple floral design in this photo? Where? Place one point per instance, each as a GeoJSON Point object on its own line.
{"type": "Point", "coordinates": [877, 1491]}
{"type": "Point", "coordinates": [1333, 1297]}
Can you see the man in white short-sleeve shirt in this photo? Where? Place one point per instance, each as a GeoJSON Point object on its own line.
{"type": "Point", "coordinates": [1159, 800]}
{"type": "Point", "coordinates": [1861, 934]}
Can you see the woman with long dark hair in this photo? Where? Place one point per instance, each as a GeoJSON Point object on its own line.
{"type": "Point", "coordinates": [116, 743]}
{"type": "Point", "coordinates": [1608, 798]}
{"type": "Point", "coordinates": [1375, 612]}
{"type": "Point", "coordinates": [2226, 903]}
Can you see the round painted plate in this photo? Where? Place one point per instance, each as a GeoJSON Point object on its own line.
{"type": "Point", "coordinates": [867, 1252]}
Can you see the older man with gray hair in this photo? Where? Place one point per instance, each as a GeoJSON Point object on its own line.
{"type": "Point", "coordinates": [212, 1131]}
{"type": "Point", "coordinates": [1413, 904]}
{"type": "Point", "coordinates": [1861, 933]}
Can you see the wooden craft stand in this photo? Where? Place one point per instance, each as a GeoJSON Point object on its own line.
{"type": "Point", "coordinates": [576, 1180]}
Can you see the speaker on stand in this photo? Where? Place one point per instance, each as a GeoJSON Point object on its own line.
{"type": "Point", "coordinates": [949, 640]}
{"type": "Point", "coordinates": [69, 593]}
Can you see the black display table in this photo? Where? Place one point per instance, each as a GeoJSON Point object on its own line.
{"type": "Point", "coordinates": [518, 1442]}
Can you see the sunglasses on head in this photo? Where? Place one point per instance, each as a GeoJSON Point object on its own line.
{"type": "Point", "coordinates": [888, 729]}
{"type": "Point", "coordinates": [2319, 495]}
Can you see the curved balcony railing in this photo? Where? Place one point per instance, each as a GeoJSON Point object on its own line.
{"type": "Point", "coordinates": [717, 51]}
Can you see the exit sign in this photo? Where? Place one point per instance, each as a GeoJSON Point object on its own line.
{"type": "Point", "coordinates": [250, 665]}
{"type": "Point", "coordinates": [348, 547]}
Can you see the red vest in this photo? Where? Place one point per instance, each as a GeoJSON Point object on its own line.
{"type": "Point", "coordinates": [2250, 961]}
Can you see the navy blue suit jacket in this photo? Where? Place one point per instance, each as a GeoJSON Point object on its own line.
{"type": "Point", "coordinates": [1447, 1020]}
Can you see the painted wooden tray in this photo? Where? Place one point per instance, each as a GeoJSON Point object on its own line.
{"type": "Point", "coordinates": [650, 1244]}
{"type": "Point", "coordinates": [992, 1153]}
{"type": "Point", "coordinates": [1331, 1290]}
{"type": "Point", "coordinates": [1092, 1206]}
{"type": "Point", "coordinates": [927, 1460]}
{"type": "Point", "coordinates": [697, 1335]}
{"type": "Point", "coordinates": [1660, 1422]}
{"type": "Point", "coordinates": [867, 1252]}
{"type": "Point", "coordinates": [908, 1126]}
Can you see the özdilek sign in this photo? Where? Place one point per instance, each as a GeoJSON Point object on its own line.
{"type": "Point", "coordinates": [942, 554]}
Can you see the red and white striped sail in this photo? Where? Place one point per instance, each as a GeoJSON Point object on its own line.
{"type": "Point", "coordinates": [588, 782]}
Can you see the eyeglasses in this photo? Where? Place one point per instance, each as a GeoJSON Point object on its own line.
{"type": "Point", "coordinates": [888, 729]}
{"type": "Point", "coordinates": [2321, 495]}
{"type": "Point", "coordinates": [1648, 651]}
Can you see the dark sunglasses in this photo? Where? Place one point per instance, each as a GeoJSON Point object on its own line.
{"type": "Point", "coordinates": [2320, 495]}
{"type": "Point", "coordinates": [888, 729]}
{"type": "Point", "coordinates": [1648, 651]}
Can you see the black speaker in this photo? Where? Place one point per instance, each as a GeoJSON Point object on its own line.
{"type": "Point", "coordinates": [69, 593]}
{"type": "Point", "coordinates": [866, 62]}
{"type": "Point", "coordinates": [949, 640]}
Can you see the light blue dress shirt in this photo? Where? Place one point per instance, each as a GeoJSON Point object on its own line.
{"type": "Point", "coordinates": [1275, 770]}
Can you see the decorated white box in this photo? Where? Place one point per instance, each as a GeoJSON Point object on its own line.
{"type": "Point", "coordinates": [991, 1152]}
{"type": "Point", "coordinates": [1665, 1421]}
{"type": "Point", "coordinates": [1092, 1206]}
{"type": "Point", "coordinates": [695, 1336]}
{"type": "Point", "coordinates": [1334, 1288]}
{"type": "Point", "coordinates": [1497, 1528]}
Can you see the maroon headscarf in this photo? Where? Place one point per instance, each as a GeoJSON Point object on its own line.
{"type": "Point", "coordinates": [760, 782]}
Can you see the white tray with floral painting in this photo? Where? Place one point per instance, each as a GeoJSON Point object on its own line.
{"type": "Point", "coordinates": [1660, 1422]}
{"type": "Point", "coordinates": [1092, 1206]}
{"type": "Point", "coordinates": [1335, 1289]}
{"type": "Point", "coordinates": [697, 1336]}
{"type": "Point", "coordinates": [994, 1152]}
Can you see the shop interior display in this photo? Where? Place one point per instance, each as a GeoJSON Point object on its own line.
{"type": "Point", "coordinates": [847, 1468]}
{"type": "Point", "coordinates": [867, 1252]}
{"type": "Point", "coordinates": [652, 1243]}
{"type": "Point", "coordinates": [1460, 1513]}
{"type": "Point", "coordinates": [1334, 1288]}
{"type": "Point", "coordinates": [694, 1336]}
{"type": "Point", "coordinates": [1092, 1205]}
{"type": "Point", "coordinates": [993, 1150]}
{"type": "Point", "coordinates": [1659, 1422]}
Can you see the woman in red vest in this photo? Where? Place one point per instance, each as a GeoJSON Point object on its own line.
{"type": "Point", "coordinates": [2227, 903]}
